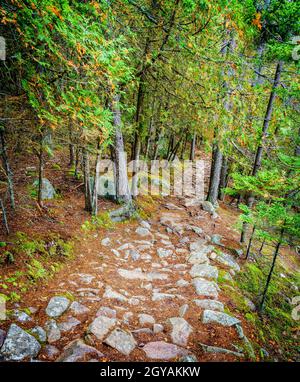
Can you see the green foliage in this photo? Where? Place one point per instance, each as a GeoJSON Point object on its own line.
{"type": "Point", "coordinates": [102, 220]}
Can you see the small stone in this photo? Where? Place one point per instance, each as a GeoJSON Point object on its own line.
{"type": "Point", "coordinates": [208, 207]}
{"type": "Point", "coordinates": [53, 331]}
{"type": "Point", "coordinates": [107, 312]}
{"type": "Point", "coordinates": [106, 242]}
{"type": "Point", "coordinates": [133, 254]}
{"type": "Point", "coordinates": [39, 333]}
{"type": "Point", "coordinates": [204, 271]}
{"type": "Point", "coordinates": [214, 317]}
{"type": "Point", "coordinates": [69, 325]}
{"type": "Point", "coordinates": [78, 308]}
{"type": "Point", "coordinates": [195, 229]}
{"type": "Point", "coordinates": [21, 316]}
{"type": "Point", "coordinates": [228, 260]}
{"type": "Point", "coordinates": [181, 330]}
{"type": "Point", "coordinates": [183, 309]}
{"type": "Point", "coordinates": [205, 288]}
{"type": "Point", "coordinates": [51, 351]}
{"type": "Point", "coordinates": [111, 294]}
{"type": "Point", "coordinates": [210, 304]}
{"type": "Point", "coordinates": [77, 351]}
{"type": "Point", "coordinates": [19, 345]}
{"type": "Point", "coordinates": [163, 252]}
{"type": "Point", "coordinates": [182, 283]}
{"type": "Point", "coordinates": [101, 326]}
{"type": "Point", "coordinates": [134, 301]}
{"type": "Point", "coordinates": [215, 349]}
{"type": "Point", "coordinates": [57, 306]}
{"type": "Point", "coordinates": [141, 231]}
{"type": "Point", "coordinates": [163, 350]}
{"type": "Point", "coordinates": [158, 328]}
{"type": "Point", "coordinates": [115, 252]}
{"type": "Point", "coordinates": [127, 317]}
{"type": "Point", "coordinates": [216, 239]}
{"type": "Point", "coordinates": [162, 296]}
{"type": "Point", "coordinates": [239, 331]}
{"type": "Point", "coordinates": [145, 224]}
{"type": "Point", "coordinates": [122, 341]}
{"type": "Point", "coordinates": [188, 358]}
{"type": "Point", "coordinates": [146, 319]}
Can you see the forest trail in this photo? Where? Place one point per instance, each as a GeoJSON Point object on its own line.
{"type": "Point", "coordinates": [147, 291]}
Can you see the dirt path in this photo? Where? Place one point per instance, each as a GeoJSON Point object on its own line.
{"type": "Point", "coordinates": [147, 291]}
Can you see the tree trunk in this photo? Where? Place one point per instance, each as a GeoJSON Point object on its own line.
{"type": "Point", "coordinates": [41, 172]}
{"type": "Point", "coordinates": [223, 178]}
{"type": "Point", "coordinates": [193, 147]}
{"type": "Point", "coordinates": [7, 169]}
{"type": "Point", "coordinates": [215, 175]}
{"type": "Point", "coordinates": [4, 218]}
{"type": "Point", "coordinates": [96, 178]}
{"type": "Point", "coordinates": [122, 185]}
{"type": "Point", "coordinates": [71, 146]}
{"type": "Point", "coordinates": [87, 181]}
{"type": "Point", "coordinates": [261, 307]}
{"type": "Point", "coordinates": [250, 243]}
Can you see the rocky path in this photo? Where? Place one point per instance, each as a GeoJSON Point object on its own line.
{"type": "Point", "coordinates": [149, 291]}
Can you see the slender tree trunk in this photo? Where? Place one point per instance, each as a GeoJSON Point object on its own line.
{"type": "Point", "coordinates": [260, 147]}
{"type": "Point", "coordinates": [122, 185]}
{"type": "Point", "coordinates": [7, 169]}
{"type": "Point", "coordinates": [262, 246]}
{"type": "Point", "coordinates": [193, 147]}
{"type": "Point", "coordinates": [71, 146]}
{"type": "Point", "coordinates": [87, 181]}
{"type": "Point", "coordinates": [223, 178]}
{"type": "Point", "coordinates": [4, 218]}
{"type": "Point", "coordinates": [77, 153]}
{"type": "Point", "coordinates": [261, 307]}
{"type": "Point", "coordinates": [215, 175]}
{"type": "Point", "coordinates": [250, 243]}
{"type": "Point", "coordinates": [96, 182]}
{"type": "Point", "coordinates": [41, 172]}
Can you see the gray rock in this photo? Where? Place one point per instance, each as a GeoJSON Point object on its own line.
{"type": "Point", "coordinates": [250, 304]}
{"type": "Point", "coordinates": [2, 337]}
{"type": "Point", "coordinates": [57, 306]}
{"type": "Point", "coordinates": [78, 351]}
{"type": "Point", "coordinates": [204, 271]}
{"type": "Point", "coordinates": [228, 260]}
{"type": "Point", "coordinates": [48, 191]}
{"type": "Point", "coordinates": [163, 252]}
{"type": "Point", "coordinates": [78, 308]}
{"type": "Point", "coordinates": [216, 239]}
{"type": "Point", "coordinates": [141, 231]}
{"type": "Point", "coordinates": [145, 224]}
{"type": "Point", "coordinates": [51, 351]}
{"type": "Point", "coordinates": [215, 349]}
{"type": "Point", "coordinates": [195, 229]}
{"type": "Point", "coordinates": [198, 258]}
{"type": "Point", "coordinates": [158, 328]}
{"type": "Point", "coordinates": [183, 310]}
{"type": "Point", "coordinates": [188, 358]}
{"type": "Point", "coordinates": [205, 287]}
{"type": "Point", "coordinates": [69, 324]}
{"type": "Point", "coordinates": [162, 296]}
{"type": "Point", "coordinates": [182, 283]}
{"type": "Point", "coordinates": [107, 312]}
{"type": "Point", "coordinates": [181, 330]}
{"type": "Point", "coordinates": [19, 345]}
{"type": "Point", "coordinates": [53, 331]}
{"type": "Point", "coordinates": [133, 254]}
{"type": "Point", "coordinates": [111, 294]}
{"type": "Point", "coordinates": [21, 316]}
{"type": "Point", "coordinates": [146, 319]}
{"type": "Point", "coordinates": [85, 278]}
{"type": "Point", "coordinates": [39, 333]}
{"type": "Point", "coordinates": [208, 207]}
{"type": "Point", "coordinates": [122, 341]}
{"type": "Point", "coordinates": [127, 317]}
{"type": "Point", "coordinates": [214, 317]}
{"type": "Point", "coordinates": [239, 331]}
{"type": "Point", "coordinates": [210, 304]}
{"type": "Point", "coordinates": [163, 350]}
{"type": "Point", "coordinates": [106, 242]}
{"type": "Point", "coordinates": [197, 245]}
{"type": "Point", "coordinates": [227, 276]}
{"type": "Point", "coordinates": [101, 326]}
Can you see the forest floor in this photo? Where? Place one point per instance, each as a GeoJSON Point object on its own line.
{"type": "Point", "coordinates": [148, 289]}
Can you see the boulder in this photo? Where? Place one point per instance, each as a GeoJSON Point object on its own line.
{"type": "Point", "coordinates": [210, 304]}
{"type": "Point", "coordinates": [78, 308]}
{"type": "Point", "coordinates": [39, 333]}
{"type": "Point", "coordinates": [19, 345]}
{"type": "Point", "coordinates": [48, 191]}
{"type": "Point", "coordinates": [163, 350]}
{"type": "Point", "coordinates": [205, 288]}
{"type": "Point", "coordinates": [107, 312]}
{"type": "Point", "coordinates": [146, 319]}
{"type": "Point", "coordinates": [69, 324]}
{"type": "Point", "coordinates": [226, 259]}
{"type": "Point", "coordinates": [204, 271]}
{"type": "Point", "coordinates": [53, 331]}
